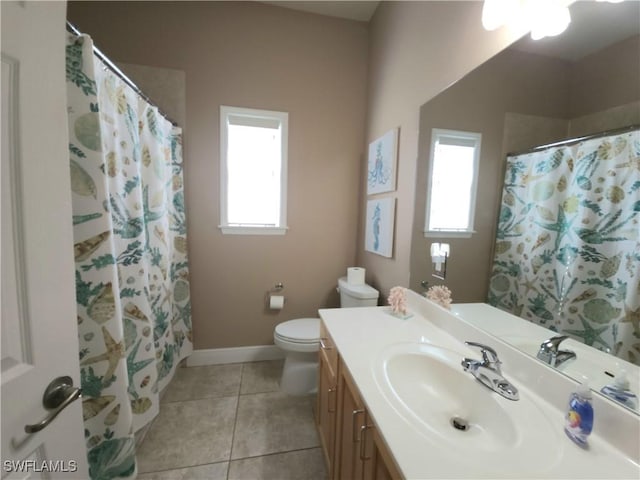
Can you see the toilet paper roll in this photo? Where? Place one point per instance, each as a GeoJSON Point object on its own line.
{"type": "Point", "coordinates": [276, 302]}
{"type": "Point", "coordinates": [355, 275]}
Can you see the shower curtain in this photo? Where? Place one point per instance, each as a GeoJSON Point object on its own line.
{"type": "Point", "coordinates": [132, 280]}
{"type": "Point", "coordinates": [567, 253]}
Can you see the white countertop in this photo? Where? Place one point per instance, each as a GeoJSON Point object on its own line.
{"type": "Point", "coordinates": [362, 334]}
{"type": "Point", "coordinates": [590, 362]}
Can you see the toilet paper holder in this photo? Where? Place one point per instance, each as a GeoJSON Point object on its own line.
{"type": "Point", "coordinates": [277, 288]}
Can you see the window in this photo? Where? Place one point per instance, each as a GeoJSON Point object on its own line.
{"type": "Point", "coordinates": [453, 176]}
{"type": "Point", "coordinates": [253, 171]}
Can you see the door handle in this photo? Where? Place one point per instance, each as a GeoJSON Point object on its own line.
{"type": "Point", "coordinates": [363, 442]}
{"type": "Point", "coordinates": [354, 434]}
{"type": "Point", "coordinates": [57, 396]}
{"type": "Point", "coordinates": [329, 392]}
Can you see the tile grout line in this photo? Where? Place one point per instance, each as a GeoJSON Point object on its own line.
{"type": "Point", "coordinates": [235, 418]}
{"type": "Point", "coordinates": [212, 397]}
{"type": "Point", "coordinates": [182, 468]}
{"type": "Point", "coordinates": [271, 454]}
{"type": "Point", "coordinates": [230, 461]}
{"type": "Point", "coordinates": [235, 421]}
{"type": "Point", "coordinates": [247, 457]}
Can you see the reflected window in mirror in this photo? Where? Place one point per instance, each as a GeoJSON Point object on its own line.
{"type": "Point", "coordinates": [453, 175]}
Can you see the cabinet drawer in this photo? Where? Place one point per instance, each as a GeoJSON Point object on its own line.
{"type": "Point", "coordinates": [328, 348]}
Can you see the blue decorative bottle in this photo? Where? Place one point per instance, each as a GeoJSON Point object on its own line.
{"type": "Point", "coordinates": [619, 391]}
{"type": "Point", "coordinates": [579, 418]}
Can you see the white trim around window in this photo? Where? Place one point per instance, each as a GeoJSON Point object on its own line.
{"type": "Point", "coordinates": [253, 171]}
{"type": "Point", "coordinates": [452, 184]}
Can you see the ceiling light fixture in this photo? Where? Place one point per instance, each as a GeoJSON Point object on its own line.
{"type": "Point", "coordinates": [545, 18]}
{"type": "Point", "coordinates": [497, 13]}
{"type": "Point", "coordinates": [548, 18]}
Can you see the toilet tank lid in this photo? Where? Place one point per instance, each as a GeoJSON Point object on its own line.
{"type": "Point", "coordinates": [357, 291]}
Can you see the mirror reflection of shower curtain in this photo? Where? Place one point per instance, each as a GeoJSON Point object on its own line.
{"type": "Point", "coordinates": [567, 253]}
{"type": "Point", "coordinates": [132, 283]}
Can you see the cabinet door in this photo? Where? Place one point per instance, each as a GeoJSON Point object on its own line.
{"type": "Point", "coordinates": [351, 416]}
{"type": "Point", "coordinates": [328, 348]}
{"type": "Point", "coordinates": [379, 463]}
{"type": "Point", "coordinates": [326, 410]}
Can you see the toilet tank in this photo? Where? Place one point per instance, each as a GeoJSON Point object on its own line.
{"type": "Point", "coordinates": [356, 295]}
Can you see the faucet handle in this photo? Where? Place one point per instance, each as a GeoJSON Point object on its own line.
{"type": "Point", "coordinates": [489, 355]}
{"type": "Point", "coordinates": [552, 344]}
{"type": "Point", "coordinates": [550, 351]}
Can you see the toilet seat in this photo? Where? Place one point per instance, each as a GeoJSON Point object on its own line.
{"type": "Point", "coordinates": [299, 335]}
{"type": "Point", "coordinates": [300, 330]}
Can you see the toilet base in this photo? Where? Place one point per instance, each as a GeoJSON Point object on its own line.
{"type": "Point", "coordinates": [300, 373]}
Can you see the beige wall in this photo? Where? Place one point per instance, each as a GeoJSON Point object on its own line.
{"type": "Point", "coordinates": [326, 72]}
{"type": "Point", "coordinates": [605, 89]}
{"type": "Point", "coordinates": [416, 50]}
{"type": "Point", "coordinates": [478, 104]}
{"type": "Point", "coordinates": [520, 92]}
{"type": "Point", "coordinates": [609, 119]}
{"type": "Point", "coordinates": [253, 55]}
{"type": "Point", "coordinates": [523, 132]}
{"type": "Point", "coordinates": [607, 78]}
{"type": "Point", "coordinates": [167, 86]}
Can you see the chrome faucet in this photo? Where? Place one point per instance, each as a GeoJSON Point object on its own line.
{"type": "Point", "coordinates": [550, 351]}
{"type": "Point", "coordinates": [487, 371]}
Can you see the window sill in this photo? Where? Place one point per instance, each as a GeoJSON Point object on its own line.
{"type": "Point", "coordinates": [238, 230]}
{"type": "Point", "coordinates": [451, 234]}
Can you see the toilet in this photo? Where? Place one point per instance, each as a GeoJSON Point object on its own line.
{"type": "Point", "coordinates": [300, 340]}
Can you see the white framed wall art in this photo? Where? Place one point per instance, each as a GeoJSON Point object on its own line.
{"type": "Point", "coordinates": [381, 163]}
{"type": "Point", "coordinates": [379, 226]}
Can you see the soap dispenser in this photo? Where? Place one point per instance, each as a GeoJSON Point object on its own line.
{"type": "Point", "coordinates": [579, 418]}
{"type": "Point", "coordinates": [619, 391]}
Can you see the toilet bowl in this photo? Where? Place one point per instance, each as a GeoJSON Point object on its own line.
{"type": "Point", "coordinates": [300, 340]}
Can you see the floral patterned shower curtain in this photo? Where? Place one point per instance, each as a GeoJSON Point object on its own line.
{"type": "Point", "coordinates": [568, 242]}
{"type": "Point", "coordinates": [132, 283]}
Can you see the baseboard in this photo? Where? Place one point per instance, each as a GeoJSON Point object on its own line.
{"type": "Point", "coordinates": [219, 356]}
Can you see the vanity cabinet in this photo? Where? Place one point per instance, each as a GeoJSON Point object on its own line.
{"type": "Point", "coordinates": [381, 465]}
{"type": "Point", "coordinates": [360, 450]}
{"type": "Point", "coordinates": [353, 447]}
{"type": "Point", "coordinates": [327, 399]}
{"type": "Point", "coordinates": [352, 427]}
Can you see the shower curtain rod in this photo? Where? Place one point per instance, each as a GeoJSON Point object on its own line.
{"type": "Point", "coordinates": [71, 28]}
{"type": "Point", "coordinates": [571, 141]}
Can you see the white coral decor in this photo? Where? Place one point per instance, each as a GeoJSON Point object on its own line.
{"type": "Point", "coordinates": [440, 295]}
{"type": "Point", "coordinates": [398, 300]}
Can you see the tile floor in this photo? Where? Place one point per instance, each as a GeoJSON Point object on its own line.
{"type": "Point", "coordinates": [230, 422]}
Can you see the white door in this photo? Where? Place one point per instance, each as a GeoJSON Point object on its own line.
{"type": "Point", "coordinates": [39, 325]}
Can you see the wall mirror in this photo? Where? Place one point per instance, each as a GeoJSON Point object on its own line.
{"type": "Point", "coordinates": [534, 93]}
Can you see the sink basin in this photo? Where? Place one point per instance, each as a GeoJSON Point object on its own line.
{"type": "Point", "coordinates": [427, 387]}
